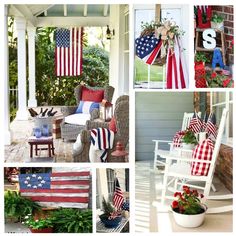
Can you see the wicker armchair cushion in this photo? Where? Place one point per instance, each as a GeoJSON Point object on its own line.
{"type": "Point", "coordinates": [86, 107]}
{"type": "Point", "coordinates": [77, 119]}
{"type": "Point", "coordinates": [92, 94]}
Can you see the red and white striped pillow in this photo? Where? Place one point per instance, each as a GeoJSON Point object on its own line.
{"type": "Point", "coordinates": [203, 151]}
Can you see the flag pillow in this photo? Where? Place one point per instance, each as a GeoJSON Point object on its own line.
{"type": "Point", "coordinates": [203, 151]}
{"type": "Point", "coordinates": [86, 107]}
{"type": "Point", "coordinates": [92, 95]}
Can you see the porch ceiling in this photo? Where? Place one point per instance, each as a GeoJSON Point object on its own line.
{"type": "Point", "coordinates": [60, 15]}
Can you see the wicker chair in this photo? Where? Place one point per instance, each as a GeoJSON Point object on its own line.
{"type": "Point", "coordinates": [121, 115]}
{"type": "Point", "coordinates": [71, 131]}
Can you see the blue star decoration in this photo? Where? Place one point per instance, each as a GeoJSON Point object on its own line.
{"type": "Point", "coordinates": [125, 206]}
{"type": "Point", "coordinates": [145, 45]}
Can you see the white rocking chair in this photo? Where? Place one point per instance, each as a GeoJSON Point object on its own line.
{"type": "Point", "coordinates": [180, 170]}
{"type": "Point", "coordinates": [158, 153]}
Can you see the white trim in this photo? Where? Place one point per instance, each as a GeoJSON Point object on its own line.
{"type": "Point", "coordinates": [226, 140]}
{"type": "Point", "coordinates": [75, 21]}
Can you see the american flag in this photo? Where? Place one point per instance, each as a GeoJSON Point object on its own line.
{"type": "Point", "coordinates": [147, 48]}
{"type": "Point", "coordinates": [211, 127]}
{"type": "Point", "coordinates": [68, 52]}
{"type": "Point", "coordinates": [195, 123]}
{"type": "Point", "coordinates": [57, 189]}
{"type": "Point", "coordinates": [204, 122]}
{"type": "Point", "coordinates": [118, 198]}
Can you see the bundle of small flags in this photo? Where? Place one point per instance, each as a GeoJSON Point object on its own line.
{"type": "Point", "coordinates": [208, 125]}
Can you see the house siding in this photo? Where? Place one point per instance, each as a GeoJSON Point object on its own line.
{"type": "Point", "coordinates": [158, 115]}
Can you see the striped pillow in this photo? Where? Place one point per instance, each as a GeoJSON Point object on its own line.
{"type": "Point", "coordinates": [86, 107]}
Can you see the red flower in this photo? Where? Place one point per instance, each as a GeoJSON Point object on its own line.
{"type": "Point", "coordinates": [175, 204]}
{"type": "Point", "coordinates": [186, 189]}
{"type": "Point", "coordinates": [177, 194]}
{"type": "Point", "coordinates": [226, 82]}
{"type": "Point", "coordinates": [201, 195]}
{"type": "Point", "coordinates": [213, 75]}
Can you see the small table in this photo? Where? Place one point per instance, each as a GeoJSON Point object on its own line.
{"type": "Point", "coordinates": [102, 229]}
{"type": "Point", "coordinates": [33, 141]}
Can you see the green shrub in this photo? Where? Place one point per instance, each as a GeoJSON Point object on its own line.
{"type": "Point", "coordinates": [16, 206]}
{"type": "Point", "coordinates": [70, 220]}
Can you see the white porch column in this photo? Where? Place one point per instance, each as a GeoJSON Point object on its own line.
{"type": "Point", "coordinates": [116, 67]}
{"type": "Point", "coordinates": [22, 113]}
{"type": "Point", "coordinates": [32, 102]}
{"type": "Point", "coordinates": [7, 132]}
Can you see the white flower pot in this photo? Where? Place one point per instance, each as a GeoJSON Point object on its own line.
{"type": "Point", "coordinates": [189, 221]}
{"type": "Point", "coordinates": [219, 26]}
{"type": "Point", "coordinates": [188, 146]}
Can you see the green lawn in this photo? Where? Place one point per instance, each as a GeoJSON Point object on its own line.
{"type": "Point", "coordinates": [141, 70]}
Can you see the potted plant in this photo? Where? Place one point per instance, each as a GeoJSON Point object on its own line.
{"type": "Point", "coordinates": [189, 140]}
{"type": "Point", "coordinates": [43, 225]}
{"type": "Point", "coordinates": [188, 211]}
{"type": "Point", "coordinates": [110, 218]}
{"type": "Point", "coordinates": [217, 22]}
{"type": "Point", "coordinates": [17, 207]}
{"type": "Point", "coordinates": [200, 58]}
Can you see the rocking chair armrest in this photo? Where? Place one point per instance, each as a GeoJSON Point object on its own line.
{"type": "Point", "coordinates": [95, 124]}
{"type": "Point", "coordinates": [185, 159]}
{"type": "Point", "coordinates": [161, 141]}
{"type": "Point", "coordinates": [94, 114]}
{"type": "Point", "coordinates": [68, 110]}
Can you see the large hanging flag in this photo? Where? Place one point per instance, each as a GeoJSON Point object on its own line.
{"type": "Point", "coordinates": [148, 47]}
{"type": "Point", "coordinates": [57, 189]}
{"type": "Point", "coordinates": [118, 197]}
{"type": "Point", "coordinates": [176, 71]}
{"type": "Point", "coordinates": [68, 52]}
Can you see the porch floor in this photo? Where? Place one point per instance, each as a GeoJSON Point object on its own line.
{"type": "Point", "coordinates": [19, 150]}
{"type": "Point", "coordinates": [149, 218]}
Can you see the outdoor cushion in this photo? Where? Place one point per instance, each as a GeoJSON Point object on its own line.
{"type": "Point", "coordinates": [77, 119]}
{"type": "Point", "coordinates": [86, 107]}
{"type": "Point", "coordinates": [112, 125]}
{"type": "Point", "coordinates": [92, 95]}
{"type": "Point", "coordinates": [203, 151]}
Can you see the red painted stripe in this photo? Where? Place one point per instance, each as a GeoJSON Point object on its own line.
{"type": "Point", "coordinates": [70, 182]}
{"type": "Point", "coordinates": [56, 61]}
{"type": "Point", "coordinates": [60, 199]}
{"type": "Point", "coordinates": [183, 85]}
{"type": "Point", "coordinates": [72, 46]}
{"type": "Point", "coordinates": [64, 62]}
{"type": "Point", "coordinates": [77, 48]}
{"type": "Point", "coordinates": [81, 48]}
{"type": "Point", "coordinates": [169, 70]}
{"type": "Point", "coordinates": [59, 174]}
{"type": "Point", "coordinates": [60, 62]}
{"type": "Point", "coordinates": [175, 71]}
{"type": "Point", "coordinates": [154, 54]}
{"type": "Point", "coordinates": [54, 190]}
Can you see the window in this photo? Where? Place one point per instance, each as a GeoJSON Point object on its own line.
{"type": "Point", "coordinates": [219, 101]}
{"type": "Point", "coordinates": [110, 183]}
